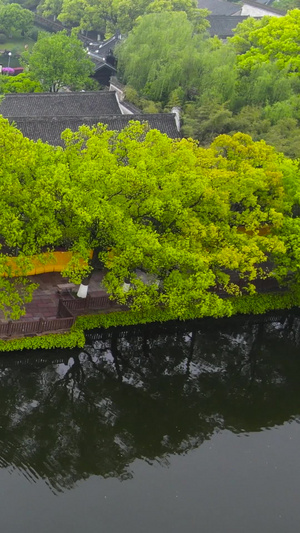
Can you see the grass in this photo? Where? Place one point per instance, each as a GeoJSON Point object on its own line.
{"type": "Point", "coordinates": [15, 45]}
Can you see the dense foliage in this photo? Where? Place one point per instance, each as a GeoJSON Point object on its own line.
{"type": "Point", "coordinates": [22, 83]}
{"type": "Point", "coordinates": [170, 219]}
{"type": "Point", "coordinates": [108, 16]}
{"type": "Point", "coordinates": [154, 69]}
{"type": "Point", "coordinates": [250, 83]}
{"type": "Point", "coordinates": [57, 60]}
{"type": "Point", "coordinates": [15, 19]}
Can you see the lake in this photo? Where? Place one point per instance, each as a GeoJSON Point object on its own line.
{"type": "Point", "coordinates": [174, 428]}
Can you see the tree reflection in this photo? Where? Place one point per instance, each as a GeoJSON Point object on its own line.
{"type": "Point", "coordinates": [144, 393]}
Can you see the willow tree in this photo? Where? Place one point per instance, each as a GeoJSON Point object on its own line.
{"type": "Point", "coordinates": [161, 53]}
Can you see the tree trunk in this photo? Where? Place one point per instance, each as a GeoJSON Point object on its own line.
{"type": "Point", "coordinates": [83, 290]}
{"type": "Point", "coordinates": [84, 287]}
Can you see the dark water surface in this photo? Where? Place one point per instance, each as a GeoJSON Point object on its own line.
{"type": "Point", "coordinates": [176, 429]}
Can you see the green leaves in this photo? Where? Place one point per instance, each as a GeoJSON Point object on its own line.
{"type": "Point", "coordinates": [22, 83]}
{"type": "Point", "coordinates": [54, 69]}
{"type": "Point", "coordinates": [274, 39]}
{"type": "Point", "coordinates": [169, 58]}
{"type": "Point", "coordinates": [169, 219]}
{"type": "Point", "coordinates": [15, 19]}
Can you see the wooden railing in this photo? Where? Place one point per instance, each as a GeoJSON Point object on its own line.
{"type": "Point", "coordinates": [69, 309]}
{"type": "Point", "coordinates": [63, 311]}
{"type": "Point", "coordinates": [35, 327]}
{"type": "Point", "coordinates": [90, 302]}
{"type": "Point", "coordinates": [66, 315]}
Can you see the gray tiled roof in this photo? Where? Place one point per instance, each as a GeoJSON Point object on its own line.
{"type": "Point", "coordinates": [223, 26]}
{"type": "Point", "coordinates": [75, 104]}
{"type": "Point", "coordinates": [132, 108]}
{"type": "Point", "coordinates": [100, 63]}
{"type": "Point", "coordinates": [49, 129]}
{"type": "Point", "coordinates": [218, 7]}
{"type": "Point", "coordinates": [104, 48]}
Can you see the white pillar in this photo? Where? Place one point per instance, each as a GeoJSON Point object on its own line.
{"type": "Point", "coordinates": [82, 291]}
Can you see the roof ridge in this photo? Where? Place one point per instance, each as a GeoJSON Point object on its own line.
{"type": "Point", "coordinates": [89, 117]}
{"type": "Point", "coordinates": [64, 94]}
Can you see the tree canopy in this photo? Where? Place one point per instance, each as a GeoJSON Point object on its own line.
{"type": "Point", "coordinates": [174, 211]}
{"type": "Point", "coordinates": [270, 39]}
{"type": "Point", "coordinates": [108, 16]}
{"type": "Point", "coordinates": [160, 55]}
{"type": "Point", "coordinates": [22, 83]}
{"type": "Point", "coordinates": [28, 203]}
{"type": "Point", "coordinates": [57, 60]}
{"type": "Point", "coordinates": [169, 218]}
{"type": "Point", "coordinates": [250, 83]}
{"type": "Point", "coordinates": [14, 18]}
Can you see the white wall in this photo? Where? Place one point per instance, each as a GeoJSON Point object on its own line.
{"type": "Point", "coordinates": [120, 97]}
{"type": "Point", "coordinates": [251, 11]}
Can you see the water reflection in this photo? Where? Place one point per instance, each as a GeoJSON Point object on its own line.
{"type": "Point", "coordinates": [145, 393]}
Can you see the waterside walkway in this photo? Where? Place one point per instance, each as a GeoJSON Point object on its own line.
{"type": "Point", "coordinates": [54, 306]}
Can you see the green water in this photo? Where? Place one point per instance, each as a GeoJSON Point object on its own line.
{"type": "Point", "coordinates": [180, 428]}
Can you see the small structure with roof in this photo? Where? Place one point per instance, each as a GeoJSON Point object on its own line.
{"type": "Point", "coordinates": [102, 55]}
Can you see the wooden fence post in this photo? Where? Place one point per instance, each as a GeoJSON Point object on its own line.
{"type": "Point", "coordinates": [40, 327]}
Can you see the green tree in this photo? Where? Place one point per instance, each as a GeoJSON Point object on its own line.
{"type": "Point", "coordinates": [28, 203]}
{"type": "Point", "coordinates": [14, 18]}
{"type": "Point", "coordinates": [107, 16]}
{"type": "Point", "coordinates": [72, 12]}
{"type": "Point", "coordinates": [264, 85]}
{"type": "Point", "coordinates": [169, 218]}
{"type": "Point", "coordinates": [23, 83]}
{"type": "Point", "coordinates": [29, 185]}
{"type": "Point", "coordinates": [50, 7]}
{"type": "Point", "coordinates": [195, 15]}
{"type": "Point", "coordinates": [57, 60]}
{"type": "Point", "coordinates": [204, 122]}
{"type": "Point", "coordinates": [271, 39]}
{"type": "Point", "coordinates": [186, 217]}
{"type": "Point", "coordinates": [161, 54]}
{"type": "Point", "coordinates": [287, 4]}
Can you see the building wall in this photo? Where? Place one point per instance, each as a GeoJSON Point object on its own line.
{"type": "Point", "coordinates": [120, 97]}
{"type": "Point", "coordinates": [252, 11]}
